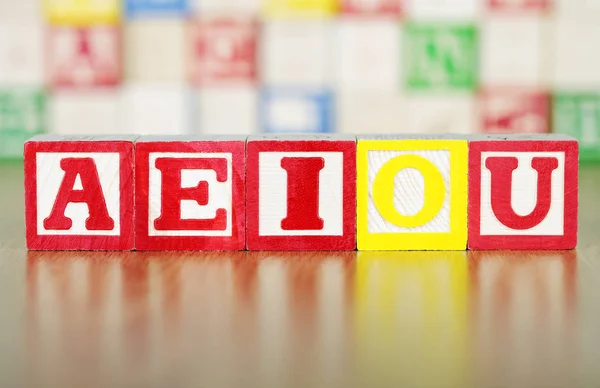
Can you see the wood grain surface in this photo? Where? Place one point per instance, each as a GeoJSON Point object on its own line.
{"type": "Point", "coordinates": [331, 319]}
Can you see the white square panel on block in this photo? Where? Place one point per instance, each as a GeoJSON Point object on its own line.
{"type": "Point", "coordinates": [443, 9]}
{"type": "Point", "coordinates": [526, 192]}
{"type": "Point", "coordinates": [273, 203]}
{"type": "Point", "coordinates": [576, 61]}
{"type": "Point", "coordinates": [227, 110]}
{"type": "Point", "coordinates": [513, 51]}
{"type": "Point", "coordinates": [452, 113]}
{"type": "Point", "coordinates": [229, 6]}
{"type": "Point", "coordinates": [90, 112]}
{"type": "Point", "coordinates": [296, 53]}
{"type": "Point", "coordinates": [155, 51]}
{"type": "Point", "coordinates": [49, 176]}
{"type": "Point", "coordinates": [371, 113]}
{"type": "Point", "coordinates": [21, 53]}
{"type": "Point", "coordinates": [368, 56]}
{"type": "Point", "coordinates": [21, 10]}
{"type": "Point", "coordinates": [576, 8]}
{"type": "Point", "coordinates": [157, 109]}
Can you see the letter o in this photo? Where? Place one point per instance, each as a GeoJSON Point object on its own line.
{"type": "Point", "coordinates": [383, 191]}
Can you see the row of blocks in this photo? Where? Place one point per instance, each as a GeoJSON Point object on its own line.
{"type": "Point", "coordinates": [321, 192]}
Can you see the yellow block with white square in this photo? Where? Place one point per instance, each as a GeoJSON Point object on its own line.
{"type": "Point", "coordinates": [412, 193]}
{"type": "Point", "coordinates": [299, 8]}
{"type": "Point", "coordinates": [82, 12]}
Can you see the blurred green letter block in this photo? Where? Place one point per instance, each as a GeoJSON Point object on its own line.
{"type": "Point", "coordinates": [578, 115]}
{"type": "Point", "coordinates": [440, 56]}
{"type": "Point", "coordinates": [22, 115]}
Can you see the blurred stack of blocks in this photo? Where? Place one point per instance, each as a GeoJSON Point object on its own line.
{"type": "Point", "coordinates": [250, 66]}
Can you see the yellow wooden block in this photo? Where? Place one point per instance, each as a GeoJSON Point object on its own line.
{"type": "Point", "coordinates": [412, 193]}
{"type": "Point", "coordinates": [82, 12]}
{"type": "Point", "coordinates": [299, 8]}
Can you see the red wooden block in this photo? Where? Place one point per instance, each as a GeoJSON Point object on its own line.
{"type": "Point", "coordinates": [84, 57]}
{"type": "Point", "coordinates": [371, 7]}
{"type": "Point", "coordinates": [223, 50]}
{"type": "Point", "coordinates": [79, 193]}
{"type": "Point", "coordinates": [519, 5]}
{"type": "Point", "coordinates": [301, 193]}
{"type": "Point", "coordinates": [190, 193]}
{"type": "Point", "coordinates": [523, 192]}
{"type": "Point", "coordinates": [514, 111]}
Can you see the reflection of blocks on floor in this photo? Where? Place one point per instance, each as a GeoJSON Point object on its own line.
{"type": "Point", "coordinates": [513, 51]}
{"type": "Point", "coordinates": [22, 115]}
{"type": "Point", "coordinates": [576, 62]}
{"type": "Point", "coordinates": [226, 6]}
{"type": "Point", "coordinates": [296, 53]}
{"type": "Point", "coordinates": [371, 113]}
{"type": "Point", "coordinates": [454, 113]}
{"type": "Point", "coordinates": [21, 53]}
{"type": "Point", "coordinates": [227, 110]}
{"type": "Point", "coordinates": [84, 56]}
{"type": "Point", "coordinates": [90, 112]}
{"type": "Point", "coordinates": [508, 110]}
{"type": "Point", "coordinates": [157, 109]}
{"type": "Point", "coordinates": [297, 110]}
{"type": "Point", "coordinates": [223, 50]}
{"type": "Point", "coordinates": [443, 9]}
{"type": "Point", "coordinates": [82, 12]}
{"type": "Point", "coordinates": [144, 8]}
{"type": "Point", "coordinates": [368, 55]}
{"type": "Point", "coordinates": [155, 51]}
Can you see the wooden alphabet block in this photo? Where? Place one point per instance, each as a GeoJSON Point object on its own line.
{"type": "Point", "coordinates": [84, 57]}
{"type": "Point", "coordinates": [79, 193]}
{"type": "Point", "coordinates": [519, 5]}
{"type": "Point", "coordinates": [215, 104]}
{"type": "Point", "coordinates": [99, 109]}
{"type": "Point", "coordinates": [523, 192]}
{"type": "Point", "coordinates": [300, 193]}
{"type": "Point", "coordinates": [232, 7]}
{"type": "Point", "coordinates": [514, 110]}
{"type": "Point", "coordinates": [223, 50]}
{"type": "Point", "coordinates": [156, 8]}
{"type": "Point", "coordinates": [297, 110]}
{"type": "Point", "coordinates": [21, 53]}
{"type": "Point", "coordinates": [22, 115]}
{"type": "Point", "coordinates": [299, 8]}
{"type": "Point", "coordinates": [442, 10]}
{"type": "Point", "coordinates": [82, 12]}
{"type": "Point", "coordinates": [578, 114]}
{"type": "Point", "coordinates": [155, 51]}
{"type": "Point", "coordinates": [372, 7]}
{"type": "Point", "coordinates": [412, 193]}
{"type": "Point", "coordinates": [190, 193]}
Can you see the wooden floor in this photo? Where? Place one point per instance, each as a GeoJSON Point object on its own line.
{"type": "Point", "coordinates": [260, 320]}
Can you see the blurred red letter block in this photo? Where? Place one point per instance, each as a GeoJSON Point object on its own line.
{"type": "Point", "coordinates": [523, 192]}
{"type": "Point", "coordinates": [301, 193]}
{"type": "Point", "coordinates": [79, 193]}
{"type": "Point", "coordinates": [223, 50]}
{"type": "Point", "coordinates": [370, 7]}
{"type": "Point", "coordinates": [190, 193]}
{"type": "Point", "coordinates": [514, 111]}
{"type": "Point", "coordinates": [520, 5]}
{"type": "Point", "coordinates": [84, 56]}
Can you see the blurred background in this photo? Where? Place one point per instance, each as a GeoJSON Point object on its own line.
{"type": "Point", "coordinates": [337, 66]}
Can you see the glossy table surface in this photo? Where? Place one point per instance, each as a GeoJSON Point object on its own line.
{"type": "Point", "coordinates": [461, 319]}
